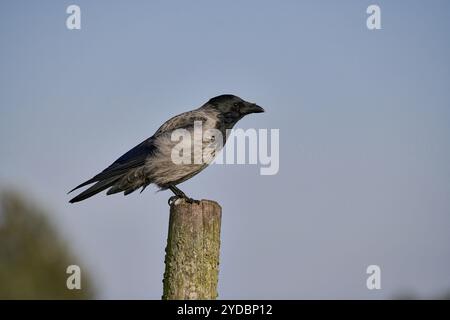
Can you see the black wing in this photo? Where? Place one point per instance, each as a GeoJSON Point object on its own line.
{"type": "Point", "coordinates": [134, 158]}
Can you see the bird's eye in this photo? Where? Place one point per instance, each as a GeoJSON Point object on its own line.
{"type": "Point", "coordinates": [236, 105]}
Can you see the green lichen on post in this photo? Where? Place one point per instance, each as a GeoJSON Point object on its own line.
{"type": "Point", "coordinates": [192, 252]}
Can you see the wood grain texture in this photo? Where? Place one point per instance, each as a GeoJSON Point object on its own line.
{"type": "Point", "coordinates": [192, 252]}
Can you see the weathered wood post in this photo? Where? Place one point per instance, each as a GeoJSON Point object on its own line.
{"type": "Point", "coordinates": [192, 252]}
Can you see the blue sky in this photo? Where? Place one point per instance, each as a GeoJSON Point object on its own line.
{"type": "Point", "coordinates": [364, 136]}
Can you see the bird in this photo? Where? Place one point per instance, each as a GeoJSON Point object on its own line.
{"type": "Point", "coordinates": [151, 161]}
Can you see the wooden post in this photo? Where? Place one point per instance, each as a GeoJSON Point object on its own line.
{"type": "Point", "coordinates": [192, 252]}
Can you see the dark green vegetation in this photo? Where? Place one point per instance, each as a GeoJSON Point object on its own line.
{"type": "Point", "coordinates": [33, 257]}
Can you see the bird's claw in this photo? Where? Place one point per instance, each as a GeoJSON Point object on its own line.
{"type": "Point", "coordinates": [172, 200]}
{"type": "Point", "coordinates": [190, 200]}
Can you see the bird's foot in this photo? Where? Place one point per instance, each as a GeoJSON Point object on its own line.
{"type": "Point", "coordinates": [190, 200]}
{"type": "Point", "coordinates": [173, 199]}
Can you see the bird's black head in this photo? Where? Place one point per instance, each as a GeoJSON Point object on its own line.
{"type": "Point", "coordinates": [232, 108]}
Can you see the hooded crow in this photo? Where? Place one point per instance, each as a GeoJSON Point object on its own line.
{"type": "Point", "coordinates": [151, 161]}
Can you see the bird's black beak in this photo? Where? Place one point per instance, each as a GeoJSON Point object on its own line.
{"type": "Point", "coordinates": [251, 108]}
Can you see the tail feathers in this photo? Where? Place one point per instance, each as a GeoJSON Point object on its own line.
{"type": "Point", "coordinates": [114, 189]}
{"type": "Point", "coordinates": [83, 184]}
{"type": "Point", "coordinates": [126, 190]}
{"type": "Point", "coordinates": [96, 188]}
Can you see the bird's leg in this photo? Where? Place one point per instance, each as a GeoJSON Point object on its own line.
{"type": "Point", "coordinates": [179, 194]}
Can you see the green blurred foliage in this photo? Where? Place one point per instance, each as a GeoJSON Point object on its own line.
{"type": "Point", "coordinates": [33, 257]}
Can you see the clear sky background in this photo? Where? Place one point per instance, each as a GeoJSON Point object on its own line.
{"type": "Point", "coordinates": [364, 119]}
